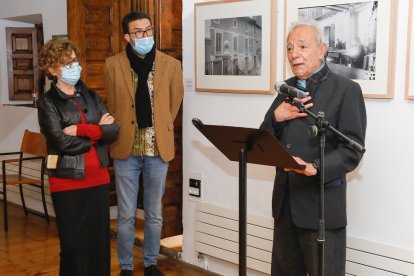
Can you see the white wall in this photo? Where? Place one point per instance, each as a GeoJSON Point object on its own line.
{"type": "Point", "coordinates": [380, 191]}
{"type": "Point", "coordinates": [53, 13]}
{"type": "Point", "coordinates": [54, 22]}
{"type": "Point", "coordinates": [13, 119]}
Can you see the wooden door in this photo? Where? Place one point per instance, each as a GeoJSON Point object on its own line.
{"type": "Point", "coordinates": [166, 17]}
{"type": "Point", "coordinates": [22, 62]}
{"type": "Point", "coordinates": [95, 26]}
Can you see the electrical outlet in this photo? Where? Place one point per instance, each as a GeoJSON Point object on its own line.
{"type": "Point", "coordinates": [194, 185]}
{"type": "Point", "coordinates": [194, 188]}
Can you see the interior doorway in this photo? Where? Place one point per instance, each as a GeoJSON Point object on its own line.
{"type": "Point", "coordinates": [25, 82]}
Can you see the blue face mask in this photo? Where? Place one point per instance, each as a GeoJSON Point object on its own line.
{"type": "Point", "coordinates": [71, 74]}
{"type": "Point", "coordinates": [143, 45]}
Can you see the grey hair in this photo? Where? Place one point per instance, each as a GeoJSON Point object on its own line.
{"type": "Point", "coordinates": [308, 23]}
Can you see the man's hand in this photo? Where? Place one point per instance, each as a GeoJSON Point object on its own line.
{"type": "Point", "coordinates": [285, 111]}
{"type": "Point", "coordinates": [310, 170]}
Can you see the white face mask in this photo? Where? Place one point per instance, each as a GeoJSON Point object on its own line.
{"type": "Point", "coordinates": [71, 74]}
{"type": "Point", "coordinates": [143, 45]}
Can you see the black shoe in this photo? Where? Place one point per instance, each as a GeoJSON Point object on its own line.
{"type": "Point", "coordinates": [152, 270]}
{"type": "Point", "coordinates": [125, 272]}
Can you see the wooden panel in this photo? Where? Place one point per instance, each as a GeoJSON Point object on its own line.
{"type": "Point", "coordinates": [97, 14]}
{"type": "Point", "coordinates": [95, 26]}
{"type": "Point", "coordinates": [95, 68]}
{"type": "Point", "coordinates": [23, 85]}
{"type": "Point", "coordinates": [170, 30]}
{"type": "Point", "coordinates": [166, 16]}
{"type": "Point", "coordinates": [172, 196]}
{"type": "Point", "coordinates": [22, 43]}
{"type": "Point", "coordinates": [22, 62]}
{"type": "Point", "coordinates": [171, 228]}
{"type": "Point", "coordinates": [173, 178]}
{"type": "Point", "coordinates": [98, 47]}
{"type": "Point", "coordinates": [169, 213]}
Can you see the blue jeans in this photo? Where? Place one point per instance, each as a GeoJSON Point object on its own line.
{"type": "Point", "coordinates": [127, 172]}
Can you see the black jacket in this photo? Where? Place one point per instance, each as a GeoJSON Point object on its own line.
{"type": "Point", "coordinates": [341, 100]}
{"type": "Point", "coordinates": [56, 110]}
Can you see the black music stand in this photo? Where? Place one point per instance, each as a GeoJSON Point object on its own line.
{"type": "Point", "coordinates": [246, 145]}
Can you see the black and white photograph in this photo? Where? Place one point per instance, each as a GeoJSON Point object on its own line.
{"type": "Point", "coordinates": [233, 46]}
{"type": "Point", "coordinates": [360, 38]}
{"type": "Point", "coordinates": [350, 31]}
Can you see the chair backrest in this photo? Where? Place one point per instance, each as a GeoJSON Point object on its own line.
{"type": "Point", "coordinates": [33, 143]}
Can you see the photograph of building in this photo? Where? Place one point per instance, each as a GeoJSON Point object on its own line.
{"type": "Point", "coordinates": [233, 46]}
{"type": "Point", "coordinates": [350, 32]}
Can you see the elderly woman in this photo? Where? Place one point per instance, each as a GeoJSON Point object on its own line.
{"type": "Point", "coordinates": [78, 128]}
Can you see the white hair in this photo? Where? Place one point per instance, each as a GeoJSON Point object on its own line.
{"type": "Point", "coordinates": [308, 23]}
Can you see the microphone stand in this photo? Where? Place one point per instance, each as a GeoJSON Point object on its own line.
{"type": "Point", "coordinates": [320, 129]}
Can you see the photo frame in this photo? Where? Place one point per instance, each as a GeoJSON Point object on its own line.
{"type": "Point", "coordinates": [60, 36]}
{"type": "Point", "coordinates": [409, 82]}
{"type": "Point", "coordinates": [235, 49]}
{"type": "Point", "coordinates": [361, 39]}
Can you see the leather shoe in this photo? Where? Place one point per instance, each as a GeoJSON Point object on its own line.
{"type": "Point", "coordinates": [152, 270]}
{"type": "Point", "coordinates": [125, 272]}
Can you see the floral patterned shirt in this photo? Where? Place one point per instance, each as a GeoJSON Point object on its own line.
{"type": "Point", "coordinates": [144, 138]}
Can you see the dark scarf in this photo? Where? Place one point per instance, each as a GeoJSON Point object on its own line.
{"type": "Point", "coordinates": [142, 67]}
{"type": "Point", "coordinates": [315, 79]}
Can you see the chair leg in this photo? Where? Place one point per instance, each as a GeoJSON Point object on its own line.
{"type": "Point", "coordinates": [44, 203]}
{"type": "Point", "coordinates": [22, 198]}
{"type": "Point", "coordinates": [5, 207]}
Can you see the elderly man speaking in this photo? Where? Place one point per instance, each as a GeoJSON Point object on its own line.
{"type": "Point", "coordinates": [295, 201]}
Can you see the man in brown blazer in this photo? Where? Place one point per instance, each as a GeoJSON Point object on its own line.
{"type": "Point", "coordinates": [145, 90]}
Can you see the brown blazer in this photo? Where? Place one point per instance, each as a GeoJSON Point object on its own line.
{"type": "Point", "coordinates": [168, 94]}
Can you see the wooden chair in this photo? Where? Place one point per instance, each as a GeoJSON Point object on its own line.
{"type": "Point", "coordinates": [33, 147]}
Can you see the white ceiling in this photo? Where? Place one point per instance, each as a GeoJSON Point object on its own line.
{"type": "Point", "coordinates": [30, 18]}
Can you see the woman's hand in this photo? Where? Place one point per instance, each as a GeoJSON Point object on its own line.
{"type": "Point", "coordinates": [106, 119]}
{"type": "Point", "coordinates": [70, 130]}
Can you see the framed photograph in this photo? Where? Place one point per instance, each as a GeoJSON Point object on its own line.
{"type": "Point", "coordinates": [235, 49]}
{"type": "Point", "coordinates": [409, 81]}
{"type": "Point", "coordinates": [360, 35]}
{"type": "Point", "coordinates": [60, 36]}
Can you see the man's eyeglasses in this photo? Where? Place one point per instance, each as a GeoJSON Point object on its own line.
{"type": "Point", "coordinates": [73, 61]}
{"type": "Point", "coordinates": [140, 33]}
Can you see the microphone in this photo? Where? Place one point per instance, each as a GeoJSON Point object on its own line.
{"type": "Point", "coordinates": [290, 91]}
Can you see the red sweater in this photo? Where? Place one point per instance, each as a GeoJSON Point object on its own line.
{"type": "Point", "coordinates": [95, 175]}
